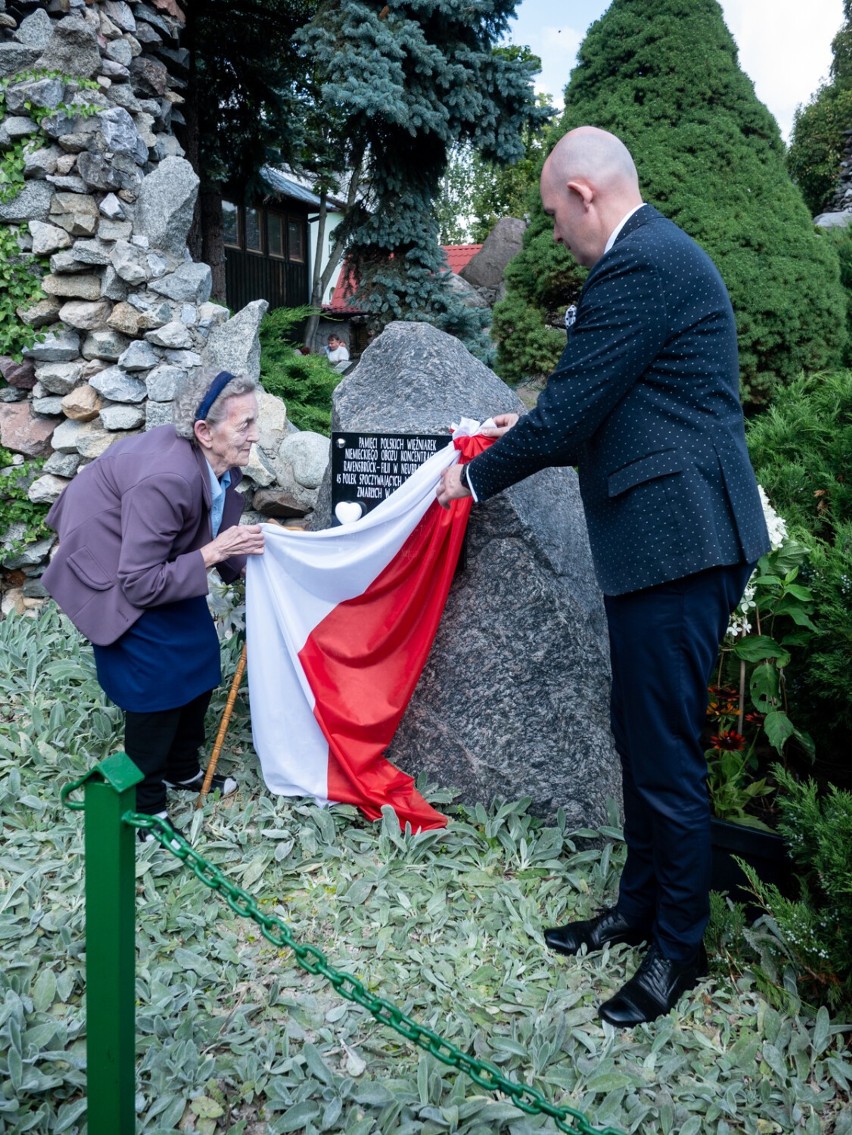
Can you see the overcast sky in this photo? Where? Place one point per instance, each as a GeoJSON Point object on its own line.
{"type": "Point", "coordinates": [784, 45]}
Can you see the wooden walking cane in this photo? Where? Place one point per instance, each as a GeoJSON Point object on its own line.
{"type": "Point", "coordinates": [223, 727]}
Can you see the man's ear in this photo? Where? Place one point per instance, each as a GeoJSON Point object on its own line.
{"type": "Point", "coordinates": [583, 190]}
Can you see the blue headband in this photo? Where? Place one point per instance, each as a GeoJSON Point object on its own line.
{"type": "Point", "coordinates": [216, 387]}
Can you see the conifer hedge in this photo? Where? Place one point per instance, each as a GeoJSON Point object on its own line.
{"type": "Point", "coordinates": [663, 75]}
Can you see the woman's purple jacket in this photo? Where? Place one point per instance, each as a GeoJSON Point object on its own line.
{"type": "Point", "coordinates": [130, 528]}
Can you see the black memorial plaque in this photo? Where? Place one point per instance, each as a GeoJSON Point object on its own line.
{"type": "Point", "coordinates": [367, 467]}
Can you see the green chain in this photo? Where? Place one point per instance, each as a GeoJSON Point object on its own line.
{"type": "Point", "coordinates": [314, 961]}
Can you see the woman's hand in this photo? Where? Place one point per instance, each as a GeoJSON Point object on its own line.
{"type": "Point", "coordinates": [239, 540]}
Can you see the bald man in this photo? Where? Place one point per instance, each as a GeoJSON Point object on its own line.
{"type": "Point", "coordinates": [645, 403]}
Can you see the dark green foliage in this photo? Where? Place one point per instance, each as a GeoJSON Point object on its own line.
{"type": "Point", "coordinates": [21, 520]}
{"type": "Point", "coordinates": [801, 448]}
{"type": "Point", "coordinates": [246, 85]}
{"type": "Point", "coordinates": [814, 929]}
{"type": "Point", "coordinates": [817, 142]}
{"type": "Point", "coordinates": [305, 383]}
{"type": "Point", "coordinates": [408, 80]}
{"type": "Point", "coordinates": [816, 145]}
{"type": "Point", "coordinates": [663, 76]}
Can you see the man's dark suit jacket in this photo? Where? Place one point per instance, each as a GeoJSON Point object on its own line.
{"type": "Point", "coordinates": [645, 401]}
{"type": "Point", "coordinates": [130, 528]}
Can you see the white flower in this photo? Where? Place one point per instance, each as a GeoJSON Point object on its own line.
{"type": "Point", "coordinates": [776, 524]}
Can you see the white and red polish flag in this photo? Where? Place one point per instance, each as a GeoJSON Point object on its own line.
{"type": "Point", "coordinates": [339, 624]}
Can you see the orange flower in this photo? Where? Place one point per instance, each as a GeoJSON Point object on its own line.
{"type": "Point", "coordinates": [729, 739]}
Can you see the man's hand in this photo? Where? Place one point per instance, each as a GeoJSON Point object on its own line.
{"type": "Point", "coordinates": [451, 488]}
{"type": "Point", "coordinates": [502, 423]}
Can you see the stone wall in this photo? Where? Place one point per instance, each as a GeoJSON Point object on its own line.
{"type": "Point", "coordinates": [108, 199]}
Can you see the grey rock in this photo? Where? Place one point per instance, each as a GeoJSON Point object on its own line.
{"type": "Point", "coordinates": [16, 57]}
{"type": "Point", "coordinates": [42, 162]}
{"type": "Point", "coordinates": [302, 459]}
{"type": "Point", "coordinates": [72, 49]}
{"type": "Point", "coordinates": [64, 438]}
{"type": "Point", "coordinates": [31, 204]}
{"type": "Point", "coordinates": [92, 252]}
{"type": "Point", "coordinates": [190, 283]}
{"type": "Point", "coordinates": [148, 76]}
{"type": "Point", "coordinates": [259, 469]}
{"type": "Point", "coordinates": [172, 335]}
{"type": "Point", "coordinates": [65, 261]}
{"type": "Point", "coordinates": [19, 126]}
{"type": "Point", "coordinates": [129, 262]}
{"type": "Point", "coordinates": [85, 315]}
{"type": "Point", "coordinates": [162, 382]}
{"type": "Point", "coordinates": [514, 698]}
{"type": "Point", "coordinates": [29, 556]}
{"type": "Point", "coordinates": [48, 238]}
{"type": "Point", "coordinates": [112, 208]}
{"type": "Point", "coordinates": [121, 14]}
{"type": "Point", "coordinates": [69, 182]}
{"type": "Point", "coordinates": [35, 30]}
{"type": "Point", "coordinates": [59, 378]}
{"type": "Point", "coordinates": [120, 134]}
{"type": "Point", "coordinates": [41, 313]}
{"type": "Point", "coordinates": [189, 314]}
{"type": "Point", "coordinates": [45, 489]}
{"type": "Point", "coordinates": [104, 344]}
{"type": "Point", "coordinates": [58, 348]}
{"type": "Point", "coordinates": [118, 386]}
{"type": "Point", "coordinates": [235, 345]}
{"type": "Point", "coordinates": [79, 286]}
{"type": "Point", "coordinates": [165, 206]}
{"type": "Point", "coordinates": [120, 93]}
{"type": "Point", "coordinates": [93, 440]}
{"type": "Point", "coordinates": [211, 315]}
{"type": "Point", "coordinates": [185, 359]}
{"type": "Point", "coordinates": [121, 417]}
{"type": "Point", "coordinates": [49, 406]}
{"type": "Point", "coordinates": [504, 241]}
{"type": "Point", "coordinates": [119, 51]}
{"type": "Point", "coordinates": [62, 464]}
{"type": "Point", "coordinates": [138, 356]}
{"type": "Point", "coordinates": [464, 291]}
{"type": "Point", "coordinates": [158, 266]}
{"type": "Point", "coordinates": [101, 171]}
{"type": "Point", "coordinates": [167, 146]}
{"type": "Point", "coordinates": [114, 230]}
{"type": "Point", "coordinates": [839, 220]}
{"type": "Point", "coordinates": [112, 285]}
{"type": "Point", "coordinates": [157, 414]}
{"type": "Point", "coordinates": [45, 93]}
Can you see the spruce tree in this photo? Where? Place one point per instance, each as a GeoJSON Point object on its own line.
{"type": "Point", "coordinates": [819, 128]}
{"type": "Point", "coordinates": [408, 79]}
{"type": "Point", "coordinates": [663, 76]}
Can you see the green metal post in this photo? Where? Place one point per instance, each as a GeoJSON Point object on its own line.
{"type": "Point", "coordinates": [111, 947]}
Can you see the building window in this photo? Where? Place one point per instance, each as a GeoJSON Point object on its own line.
{"type": "Point", "coordinates": [254, 242]}
{"type": "Point", "coordinates": [230, 224]}
{"type": "Point", "coordinates": [275, 234]}
{"type": "Point", "coordinates": [295, 240]}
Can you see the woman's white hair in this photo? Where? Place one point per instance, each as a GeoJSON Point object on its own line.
{"type": "Point", "coordinates": [191, 394]}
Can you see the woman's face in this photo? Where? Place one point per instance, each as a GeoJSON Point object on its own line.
{"type": "Point", "coordinates": [228, 443]}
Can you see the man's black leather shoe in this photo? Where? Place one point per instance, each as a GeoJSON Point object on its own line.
{"type": "Point", "coordinates": [606, 929]}
{"type": "Point", "coordinates": [654, 989]}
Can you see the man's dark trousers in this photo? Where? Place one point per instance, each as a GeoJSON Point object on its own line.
{"type": "Point", "coordinates": [664, 643]}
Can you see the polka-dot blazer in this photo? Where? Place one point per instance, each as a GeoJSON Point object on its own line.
{"type": "Point", "coordinates": [645, 402]}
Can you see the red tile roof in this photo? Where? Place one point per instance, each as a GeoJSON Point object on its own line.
{"type": "Point", "coordinates": [457, 256]}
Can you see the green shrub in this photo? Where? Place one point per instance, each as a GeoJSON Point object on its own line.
{"type": "Point", "coordinates": [801, 448]}
{"type": "Point", "coordinates": [305, 383]}
{"type": "Point", "coordinates": [814, 929]}
{"type": "Point", "coordinates": [663, 75]}
{"type": "Point", "coordinates": [21, 520]}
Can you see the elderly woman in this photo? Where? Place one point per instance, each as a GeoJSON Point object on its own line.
{"type": "Point", "coordinates": [138, 530]}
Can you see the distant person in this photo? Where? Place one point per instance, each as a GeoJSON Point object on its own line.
{"type": "Point", "coordinates": [138, 530]}
{"type": "Point", "coordinates": [337, 352]}
{"type": "Point", "coordinates": [645, 402]}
